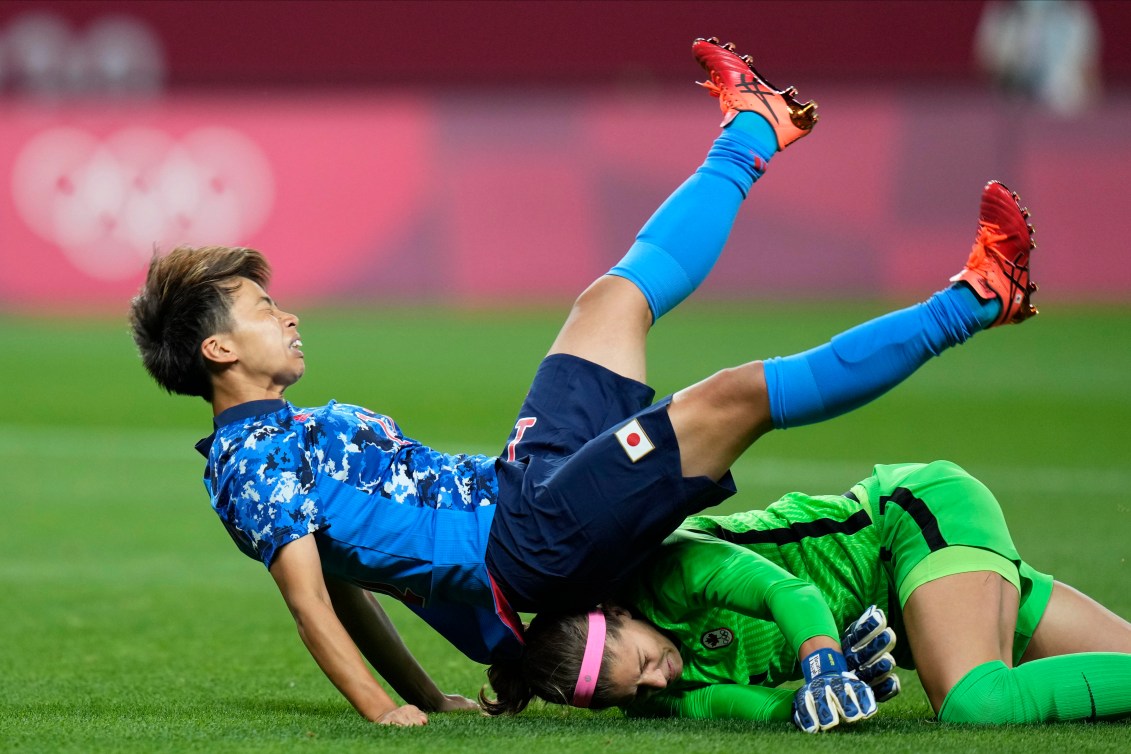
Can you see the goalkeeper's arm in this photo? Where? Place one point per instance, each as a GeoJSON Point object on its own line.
{"type": "Point", "coordinates": [721, 701]}
{"type": "Point", "coordinates": [705, 571]}
{"type": "Point", "coordinates": [721, 574]}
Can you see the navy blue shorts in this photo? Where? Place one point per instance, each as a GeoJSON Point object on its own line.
{"type": "Point", "coordinates": [575, 512]}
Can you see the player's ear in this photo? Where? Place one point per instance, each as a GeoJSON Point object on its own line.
{"type": "Point", "coordinates": [218, 349]}
{"type": "Point", "coordinates": [618, 612]}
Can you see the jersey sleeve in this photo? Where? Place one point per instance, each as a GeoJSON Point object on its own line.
{"type": "Point", "coordinates": [271, 499]}
{"type": "Point", "coordinates": [720, 701]}
{"type": "Point", "coordinates": [702, 571]}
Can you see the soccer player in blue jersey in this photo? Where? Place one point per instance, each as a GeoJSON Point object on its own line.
{"type": "Point", "coordinates": [337, 502]}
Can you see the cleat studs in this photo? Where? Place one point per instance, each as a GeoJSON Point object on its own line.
{"type": "Point", "coordinates": [804, 117]}
{"type": "Point", "coordinates": [713, 40]}
{"type": "Point", "coordinates": [790, 91]}
{"type": "Point", "coordinates": [730, 47]}
{"type": "Point", "coordinates": [1033, 287]}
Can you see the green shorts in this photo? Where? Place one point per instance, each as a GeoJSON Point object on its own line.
{"type": "Point", "coordinates": [936, 520]}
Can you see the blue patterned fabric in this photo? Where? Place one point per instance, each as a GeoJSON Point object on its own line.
{"type": "Point", "coordinates": [391, 515]}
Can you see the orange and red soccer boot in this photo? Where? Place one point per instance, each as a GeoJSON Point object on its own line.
{"type": "Point", "coordinates": [740, 88]}
{"type": "Point", "coordinates": [998, 267]}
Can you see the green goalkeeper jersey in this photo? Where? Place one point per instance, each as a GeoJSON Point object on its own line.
{"type": "Point", "coordinates": [741, 593]}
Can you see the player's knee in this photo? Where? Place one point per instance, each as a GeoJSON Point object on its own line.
{"type": "Point", "coordinates": [741, 388]}
{"type": "Point", "coordinates": [611, 296]}
{"type": "Point", "coordinates": [987, 695]}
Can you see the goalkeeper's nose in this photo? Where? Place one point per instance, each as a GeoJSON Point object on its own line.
{"type": "Point", "coordinates": [654, 678]}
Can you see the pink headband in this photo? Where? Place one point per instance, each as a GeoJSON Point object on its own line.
{"type": "Point", "coordinates": [591, 661]}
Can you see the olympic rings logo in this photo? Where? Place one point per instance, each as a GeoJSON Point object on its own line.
{"type": "Point", "coordinates": [108, 203]}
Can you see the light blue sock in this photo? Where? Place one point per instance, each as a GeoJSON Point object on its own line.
{"type": "Point", "coordinates": [679, 245]}
{"type": "Point", "coordinates": [863, 363]}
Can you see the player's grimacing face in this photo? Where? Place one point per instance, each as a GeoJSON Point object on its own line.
{"type": "Point", "coordinates": [265, 337]}
{"type": "Point", "coordinates": [640, 659]}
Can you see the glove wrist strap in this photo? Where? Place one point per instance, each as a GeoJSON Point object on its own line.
{"type": "Point", "coordinates": [821, 662]}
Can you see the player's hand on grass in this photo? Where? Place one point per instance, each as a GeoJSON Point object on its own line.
{"type": "Point", "coordinates": [868, 643]}
{"type": "Point", "coordinates": [408, 715]}
{"type": "Point", "coordinates": [831, 695]}
{"type": "Point", "coordinates": [457, 703]}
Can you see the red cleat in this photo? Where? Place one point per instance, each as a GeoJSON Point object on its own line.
{"type": "Point", "coordinates": [998, 267]}
{"type": "Point", "coordinates": [740, 88]}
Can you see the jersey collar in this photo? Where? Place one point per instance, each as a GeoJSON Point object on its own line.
{"type": "Point", "coordinates": [239, 413]}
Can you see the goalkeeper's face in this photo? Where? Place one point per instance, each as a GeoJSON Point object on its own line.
{"type": "Point", "coordinates": [640, 660]}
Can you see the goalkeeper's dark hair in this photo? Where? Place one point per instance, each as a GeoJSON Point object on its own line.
{"type": "Point", "coordinates": [549, 664]}
{"type": "Point", "coordinates": [187, 297]}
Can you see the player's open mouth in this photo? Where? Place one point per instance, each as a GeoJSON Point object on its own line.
{"type": "Point", "coordinates": [296, 344]}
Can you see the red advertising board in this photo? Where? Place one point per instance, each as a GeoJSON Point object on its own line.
{"type": "Point", "coordinates": [394, 195]}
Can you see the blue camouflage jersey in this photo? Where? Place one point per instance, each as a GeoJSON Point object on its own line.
{"type": "Point", "coordinates": [388, 513]}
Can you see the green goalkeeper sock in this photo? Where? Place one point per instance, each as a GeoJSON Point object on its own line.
{"type": "Point", "coordinates": [1086, 686]}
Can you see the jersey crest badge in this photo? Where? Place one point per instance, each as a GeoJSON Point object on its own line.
{"type": "Point", "coordinates": [717, 638]}
{"type": "Point", "coordinates": [635, 443]}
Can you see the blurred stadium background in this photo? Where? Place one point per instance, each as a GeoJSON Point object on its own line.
{"type": "Point", "coordinates": [506, 151]}
{"type": "Point", "coordinates": [434, 182]}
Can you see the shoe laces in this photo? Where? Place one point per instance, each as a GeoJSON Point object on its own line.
{"type": "Point", "coordinates": [985, 244]}
{"type": "Point", "coordinates": [712, 87]}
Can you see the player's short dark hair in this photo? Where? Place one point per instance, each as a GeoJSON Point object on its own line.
{"type": "Point", "coordinates": [549, 665]}
{"type": "Point", "coordinates": [187, 297]}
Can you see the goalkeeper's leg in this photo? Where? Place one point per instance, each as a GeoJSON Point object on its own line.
{"type": "Point", "coordinates": [961, 632]}
{"type": "Point", "coordinates": [1074, 622]}
{"type": "Point", "coordinates": [1087, 686]}
{"type": "Point", "coordinates": [956, 623]}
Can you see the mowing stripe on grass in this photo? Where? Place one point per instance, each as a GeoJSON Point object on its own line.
{"type": "Point", "coordinates": [811, 475]}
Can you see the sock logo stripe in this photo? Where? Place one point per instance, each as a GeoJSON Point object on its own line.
{"type": "Point", "coordinates": [1091, 698]}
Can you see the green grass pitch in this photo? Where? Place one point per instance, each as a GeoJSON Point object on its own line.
{"type": "Point", "coordinates": [129, 622]}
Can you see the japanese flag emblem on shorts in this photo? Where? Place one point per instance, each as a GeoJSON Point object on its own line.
{"type": "Point", "coordinates": [635, 443]}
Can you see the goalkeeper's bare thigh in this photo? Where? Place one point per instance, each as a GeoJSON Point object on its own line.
{"type": "Point", "coordinates": [956, 623]}
{"type": "Point", "coordinates": [1074, 622]}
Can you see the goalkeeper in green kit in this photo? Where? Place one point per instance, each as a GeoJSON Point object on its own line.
{"type": "Point", "coordinates": [732, 606]}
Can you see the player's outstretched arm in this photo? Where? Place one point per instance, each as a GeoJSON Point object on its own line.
{"type": "Point", "coordinates": [718, 701]}
{"type": "Point", "coordinates": [297, 571]}
{"type": "Point", "coordinates": [377, 638]}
